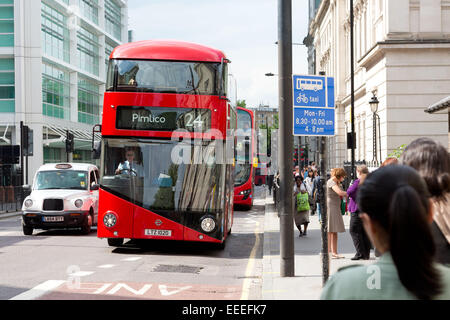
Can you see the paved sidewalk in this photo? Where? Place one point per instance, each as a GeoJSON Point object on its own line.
{"type": "Point", "coordinates": [307, 283]}
{"type": "Point", "coordinates": [5, 215]}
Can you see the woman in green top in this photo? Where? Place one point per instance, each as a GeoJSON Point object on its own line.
{"type": "Point", "coordinates": [397, 210]}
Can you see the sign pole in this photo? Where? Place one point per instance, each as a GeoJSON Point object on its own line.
{"type": "Point", "coordinates": [314, 114]}
{"type": "Point", "coordinates": [21, 152]}
{"type": "Point", "coordinates": [324, 256]}
{"type": "Point", "coordinates": [287, 261]}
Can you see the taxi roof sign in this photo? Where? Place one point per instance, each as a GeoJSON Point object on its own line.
{"type": "Point", "coordinates": [63, 166]}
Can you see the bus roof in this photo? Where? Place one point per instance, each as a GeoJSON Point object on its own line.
{"type": "Point", "coordinates": [246, 110]}
{"type": "Point", "coordinates": [167, 50]}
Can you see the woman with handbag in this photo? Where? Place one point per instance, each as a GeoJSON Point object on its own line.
{"type": "Point", "coordinates": [301, 201]}
{"type": "Point", "coordinates": [335, 220]}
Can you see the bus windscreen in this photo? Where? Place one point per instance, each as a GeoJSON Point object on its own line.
{"type": "Point", "coordinates": [163, 77]}
{"type": "Point", "coordinates": [133, 169]}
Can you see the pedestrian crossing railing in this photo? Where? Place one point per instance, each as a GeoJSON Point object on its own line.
{"type": "Point", "coordinates": [11, 198]}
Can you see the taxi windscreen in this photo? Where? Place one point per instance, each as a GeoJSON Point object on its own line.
{"type": "Point", "coordinates": [60, 179]}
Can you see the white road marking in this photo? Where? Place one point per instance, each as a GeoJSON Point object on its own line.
{"type": "Point", "coordinates": [140, 292]}
{"type": "Point", "coordinates": [7, 233]}
{"type": "Point", "coordinates": [250, 265]}
{"type": "Point", "coordinates": [163, 289]}
{"type": "Point", "coordinates": [39, 290]}
{"type": "Point", "coordinates": [106, 266]}
{"type": "Point", "coordinates": [132, 259]}
{"type": "Point", "coordinates": [81, 273]}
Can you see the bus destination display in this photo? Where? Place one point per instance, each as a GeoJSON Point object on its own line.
{"type": "Point", "coordinates": [163, 119]}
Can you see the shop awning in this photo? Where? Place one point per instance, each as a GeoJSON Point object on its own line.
{"type": "Point", "coordinates": [438, 106]}
{"type": "Point", "coordinates": [56, 136]}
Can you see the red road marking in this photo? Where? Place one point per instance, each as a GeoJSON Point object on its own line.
{"type": "Point", "coordinates": [132, 290]}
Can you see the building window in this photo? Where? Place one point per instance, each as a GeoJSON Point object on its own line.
{"type": "Point", "coordinates": [55, 34]}
{"type": "Point", "coordinates": [82, 156]}
{"type": "Point", "coordinates": [7, 89]}
{"type": "Point", "coordinates": [55, 92]}
{"type": "Point", "coordinates": [108, 49]}
{"type": "Point", "coordinates": [88, 102]}
{"type": "Point", "coordinates": [89, 9]}
{"type": "Point", "coordinates": [7, 23]}
{"type": "Point", "coordinates": [88, 51]}
{"type": "Point", "coordinates": [113, 19]}
{"type": "Point", "coordinates": [52, 155]}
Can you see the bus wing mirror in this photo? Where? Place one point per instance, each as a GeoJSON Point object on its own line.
{"type": "Point", "coordinates": [96, 150]}
{"type": "Point", "coordinates": [96, 145]}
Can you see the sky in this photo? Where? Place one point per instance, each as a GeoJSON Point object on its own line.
{"type": "Point", "coordinates": [245, 30]}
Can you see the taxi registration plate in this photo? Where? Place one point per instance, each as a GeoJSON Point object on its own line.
{"type": "Point", "coordinates": [158, 232]}
{"type": "Point", "coordinates": [53, 219]}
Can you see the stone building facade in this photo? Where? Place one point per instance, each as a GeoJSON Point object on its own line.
{"type": "Point", "coordinates": [402, 56]}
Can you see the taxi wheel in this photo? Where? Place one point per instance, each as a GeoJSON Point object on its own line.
{"type": "Point", "coordinates": [115, 242]}
{"type": "Point", "coordinates": [28, 231]}
{"type": "Point", "coordinates": [86, 228]}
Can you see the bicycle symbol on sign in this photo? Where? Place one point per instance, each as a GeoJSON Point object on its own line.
{"type": "Point", "coordinates": [302, 98]}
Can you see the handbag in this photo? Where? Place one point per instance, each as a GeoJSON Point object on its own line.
{"type": "Point", "coordinates": [302, 201]}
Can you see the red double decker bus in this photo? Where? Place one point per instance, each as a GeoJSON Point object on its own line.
{"type": "Point", "coordinates": [167, 144]}
{"type": "Point", "coordinates": [245, 150]}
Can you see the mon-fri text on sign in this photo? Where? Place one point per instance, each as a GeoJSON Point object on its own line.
{"type": "Point", "coordinates": [313, 105]}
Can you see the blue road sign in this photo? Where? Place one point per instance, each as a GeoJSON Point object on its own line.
{"type": "Point", "coordinates": [313, 105]}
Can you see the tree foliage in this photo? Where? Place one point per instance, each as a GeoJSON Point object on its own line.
{"type": "Point", "coordinates": [241, 103]}
{"type": "Point", "coordinates": [396, 153]}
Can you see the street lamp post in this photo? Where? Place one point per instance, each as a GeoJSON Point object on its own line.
{"type": "Point", "coordinates": [352, 89]}
{"type": "Point", "coordinates": [374, 108]}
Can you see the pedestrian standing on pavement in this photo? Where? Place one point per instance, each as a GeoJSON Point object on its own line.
{"type": "Point", "coordinates": [270, 178]}
{"type": "Point", "coordinates": [276, 190]}
{"type": "Point", "coordinates": [432, 161]}
{"type": "Point", "coordinates": [395, 216]}
{"type": "Point", "coordinates": [359, 236]}
{"type": "Point", "coordinates": [309, 183]}
{"type": "Point", "coordinates": [301, 204]}
{"type": "Point", "coordinates": [316, 193]}
{"type": "Point", "coordinates": [335, 220]}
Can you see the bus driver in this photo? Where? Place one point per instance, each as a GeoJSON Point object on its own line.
{"type": "Point", "coordinates": [130, 165]}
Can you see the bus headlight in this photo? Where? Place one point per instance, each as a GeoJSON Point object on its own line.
{"type": "Point", "coordinates": [78, 203]}
{"type": "Point", "coordinates": [28, 203]}
{"type": "Point", "coordinates": [109, 220]}
{"type": "Point", "coordinates": [245, 192]}
{"type": "Point", "coordinates": [208, 224]}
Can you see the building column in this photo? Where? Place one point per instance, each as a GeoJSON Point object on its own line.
{"type": "Point", "coordinates": [28, 77]}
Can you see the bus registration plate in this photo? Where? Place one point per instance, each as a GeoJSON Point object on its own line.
{"type": "Point", "coordinates": [158, 232]}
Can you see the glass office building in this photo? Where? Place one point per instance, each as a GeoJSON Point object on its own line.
{"type": "Point", "coordinates": [53, 60]}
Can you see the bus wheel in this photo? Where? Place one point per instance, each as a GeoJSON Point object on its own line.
{"type": "Point", "coordinates": [221, 246]}
{"type": "Point", "coordinates": [115, 242]}
{"type": "Point", "coordinates": [28, 231]}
